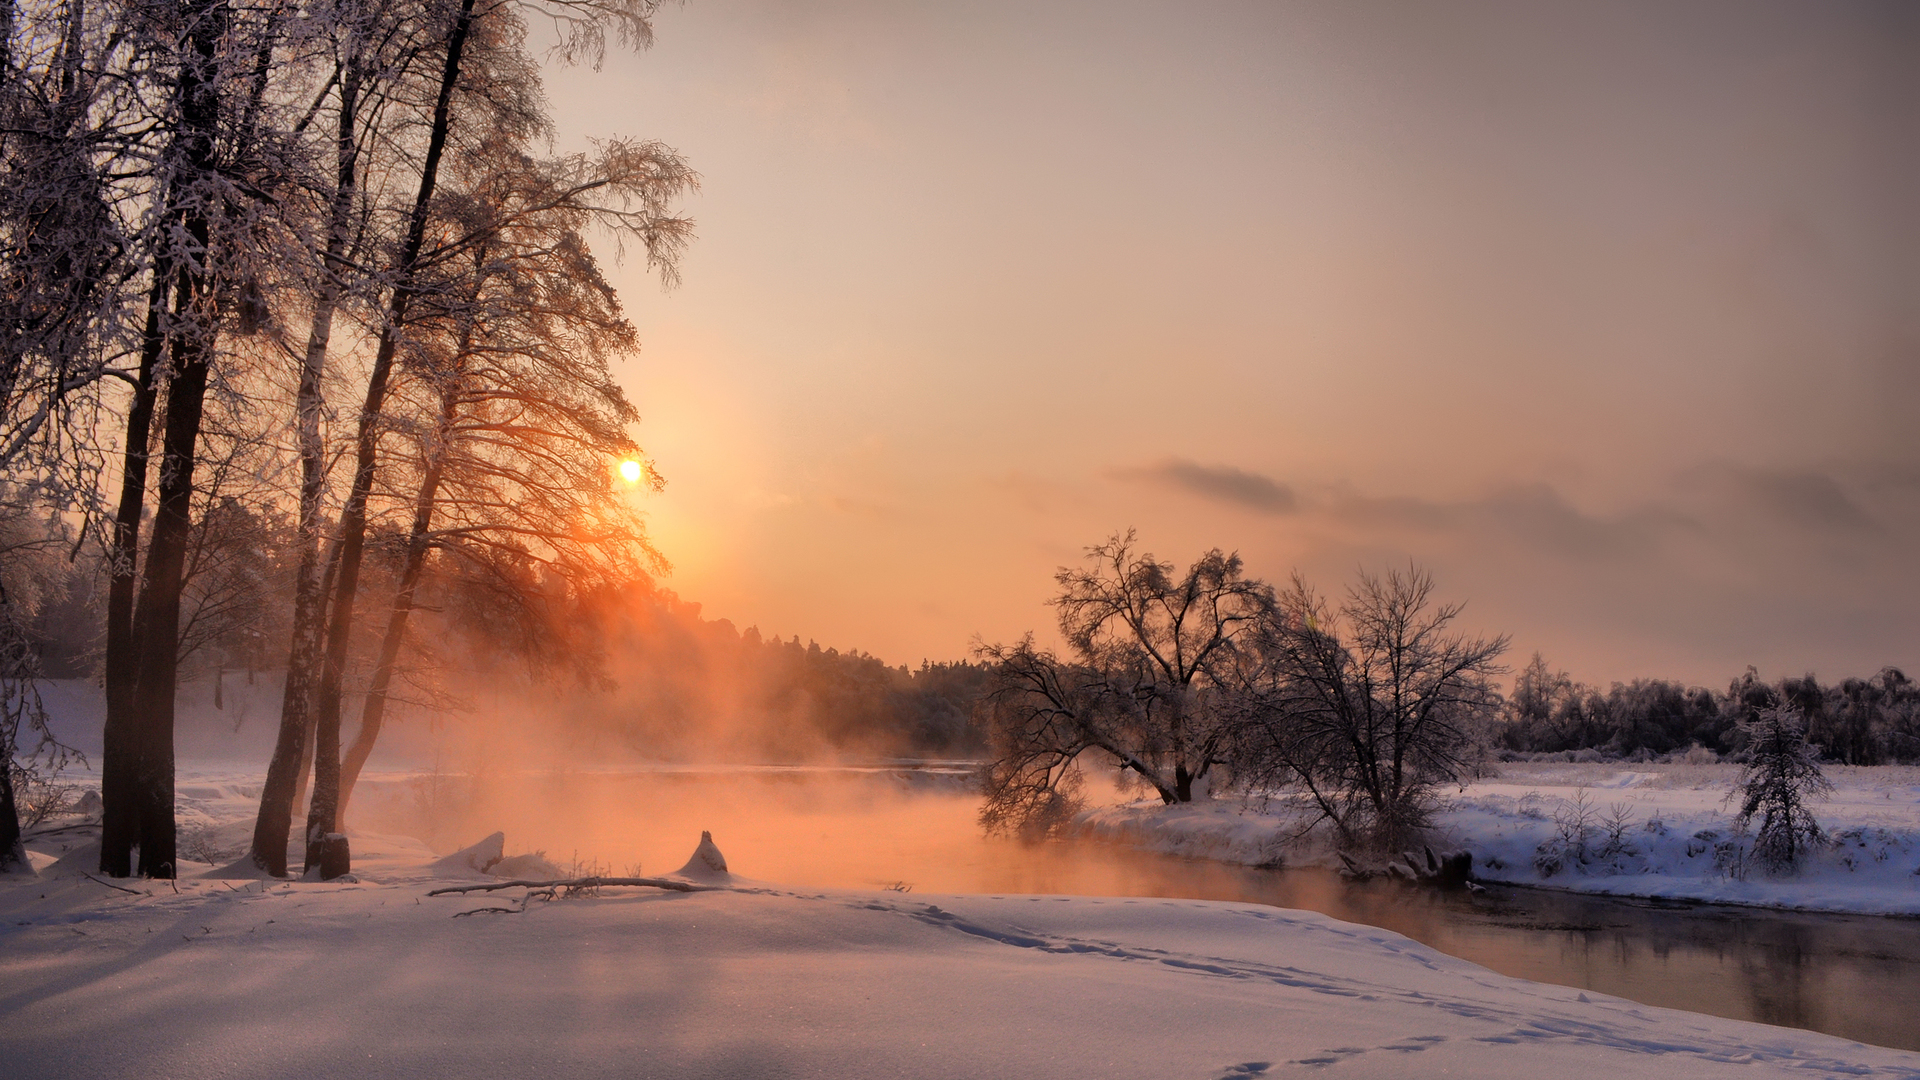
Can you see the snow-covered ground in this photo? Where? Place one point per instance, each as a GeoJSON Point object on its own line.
{"type": "Point", "coordinates": [373, 977]}
{"type": "Point", "coordinates": [1652, 830]}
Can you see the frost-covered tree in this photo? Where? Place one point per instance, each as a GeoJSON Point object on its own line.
{"type": "Point", "coordinates": [1780, 777]}
{"type": "Point", "coordinates": [1152, 649]}
{"type": "Point", "coordinates": [1369, 707]}
{"type": "Point", "coordinates": [486, 81]}
{"type": "Point", "coordinates": [508, 359]}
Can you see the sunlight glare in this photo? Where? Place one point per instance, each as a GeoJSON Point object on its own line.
{"type": "Point", "coordinates": [630, 471]}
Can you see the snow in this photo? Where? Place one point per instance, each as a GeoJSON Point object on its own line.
{"type": "Point", "coordinates": [706, 865]}
{"type": "Point", "coordinates": [209, 977]}
{"type": "Point", "coordinates": [372, 977]}
{"type": "Point", "coordinates": [1680, 840]}
{"type": "Point", "coordinates": [474, 860]}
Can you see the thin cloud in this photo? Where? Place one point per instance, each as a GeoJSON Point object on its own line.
{"type": "Point", "coordinates": [1536, 516]}
{"type": "Point", "coordinates": [1220, 483]}
{"type": "Point", "coordinates": [1808, 498]}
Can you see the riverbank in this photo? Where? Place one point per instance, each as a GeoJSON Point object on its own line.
{"type": "Point", "coordinates": [1661, 831]}
{"type": "Point", "coordinates": [216, 978]}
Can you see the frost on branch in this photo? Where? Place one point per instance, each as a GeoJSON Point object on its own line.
{"type": "Point", "coordinates": [1779, 778]}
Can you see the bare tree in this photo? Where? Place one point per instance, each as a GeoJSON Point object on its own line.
{"type": "Point", "coordinates": [486, 62]}
{"type": "Point", "coordinates": [1368, 708]}
{"type": "Point", "coordinates": [526, 416]}
{"type": "Point", "coordinates": [1152, 651]}
{"type": "Point", "coordinates": [378, 50]}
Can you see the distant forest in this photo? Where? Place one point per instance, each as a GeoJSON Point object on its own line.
{"type": "Point", "coordinates": [644, 668]}
{"type": "Point", "coordinates": [682, 685]}
{"type": "Point", "coordinates": [1855, 721]}
{"type": "Point", "coordinates": [632, 663]}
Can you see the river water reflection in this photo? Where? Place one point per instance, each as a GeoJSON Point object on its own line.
{"type": "Point", "coordinates": [1851, 976]}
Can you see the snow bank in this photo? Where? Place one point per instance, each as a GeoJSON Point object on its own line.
{"type": "Point", "coordinates": [1614, 829]}
{"type": "Point", "coordinates": [357, 979]}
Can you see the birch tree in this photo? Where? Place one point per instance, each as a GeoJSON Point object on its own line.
{"type": "Point", "coordinates": [527, 420]}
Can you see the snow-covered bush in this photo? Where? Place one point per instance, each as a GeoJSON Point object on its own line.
{"type": "Point", "coordinates": [1615, 824]}
{"type": "Point", "coordinates": [1781, 774]}
{"type": "Point", "coordinates": [1573, 826]}
{"type": "Point", "coordinates": [1589, 840]}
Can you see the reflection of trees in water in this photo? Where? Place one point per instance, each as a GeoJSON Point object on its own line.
{"type": "Point", "coordinates": [1782, 982]}
{"type": "Point", "coordinates": [1849, 976]}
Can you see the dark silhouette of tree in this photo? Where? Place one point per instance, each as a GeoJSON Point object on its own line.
{"type": "Point", "coordinates": [1368, 708]}
{"type": "Point", "coordinates": [1151, 650]}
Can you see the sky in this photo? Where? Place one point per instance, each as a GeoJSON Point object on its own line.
{"type": "Point", "coordinates": [1608, 315]}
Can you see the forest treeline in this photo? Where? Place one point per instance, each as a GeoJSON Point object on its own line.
{"type": "Point", "coordinates": [1872, 720]}
{"type": "Point", "coordinates": [681, 686]}
{"type": "Point", "coordinates": [630, 665]}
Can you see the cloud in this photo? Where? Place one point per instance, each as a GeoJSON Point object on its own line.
{"type": "Point", "coordinates": [1807, 498]}
{"type": "Point", "coordinates": [1534, 516]}
{"type": "Point", "coordinates": [1221, 483]}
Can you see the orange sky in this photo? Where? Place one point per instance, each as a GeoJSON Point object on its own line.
{"type": "Point", "coordinates": [1609, 314]}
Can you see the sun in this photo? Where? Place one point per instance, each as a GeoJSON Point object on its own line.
{"type": "Point", "coordinates": [630, 471]}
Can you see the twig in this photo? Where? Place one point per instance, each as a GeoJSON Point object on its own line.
{"type": "Point", "coordinates": [111, 885]}
{"type": "Point", "coordinates": [489, 910]}
{"type": "Point", "coordinates": [670, 884]}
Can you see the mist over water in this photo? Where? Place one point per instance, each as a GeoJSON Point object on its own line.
{"type": "Point", "coordinates": [857, 827]}
{"type": "Point", "coordinates": [915, 828]}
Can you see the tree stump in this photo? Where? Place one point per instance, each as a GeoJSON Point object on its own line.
{"type": "Point", "coordinates": [335, 859]}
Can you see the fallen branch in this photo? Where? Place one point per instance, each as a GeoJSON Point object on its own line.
{"type": "Point", "coordinates": [670, 884]}
{"type": "Point", "coordinates": [491, 910]}
{"type": "Point", "coordinates": [111, 885]}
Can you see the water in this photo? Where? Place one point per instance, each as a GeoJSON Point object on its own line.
{"type": "Point", "coordinates": [1851, 976]}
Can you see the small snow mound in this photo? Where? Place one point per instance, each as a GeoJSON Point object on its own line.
{"type": "Point", "coordinates": [84, 859]}
{"type": "Point", "coordinates": [241, 869]}
{"type": "Point", "coordinates": [474, 860]}
{"type": "Point", "coordinates": [532, 867]}
{"type": "Point", "coordinates": [707, 864]}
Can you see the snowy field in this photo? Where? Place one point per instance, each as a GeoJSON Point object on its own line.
{"type": "Point", "coordinates": [1648, 830]}
{"type": "Point", "coordinates": [373, 977]}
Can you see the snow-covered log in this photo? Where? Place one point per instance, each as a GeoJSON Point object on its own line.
{"type": "Point", "coordinates": [670, 884]}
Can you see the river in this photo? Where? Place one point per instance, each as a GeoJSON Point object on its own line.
{"type": "Point", "coordinates": [914, 830]}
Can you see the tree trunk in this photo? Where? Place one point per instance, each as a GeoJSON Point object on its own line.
{"type": "Point", "coordinates": [373, 712]}
{"type": "Point", "coordinates": [157, 619]}
{"type": "Point", "coordinates": [323, 814]}
{"type": "Point", "coordinates": [287, 773]}
{"type": "Point", "coordinates": [117, 819]}
{"type": "Point", "coordinates": [303, 781]}
{"type": "Point", "coordinates": [11, 851]}
{"type": "Point", "coordinates": [158, 622]}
